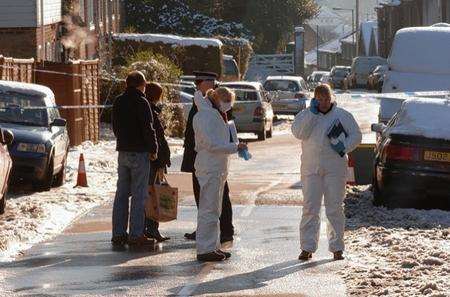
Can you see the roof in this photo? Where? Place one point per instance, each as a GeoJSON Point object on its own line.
{"type": "Point", "coordinates": [285, 77]}
{"type": "Point", "coordinates": [256, 85]}
{"type": "Point", "coordinates": [169, 39]}
{"type": "Point", "coordinates": [26, 88]}
{"type": "Point", "coordinates": [333, 46]}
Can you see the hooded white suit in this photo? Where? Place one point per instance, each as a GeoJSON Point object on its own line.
{"type": "Point", "coordinates": [324, 174]}
{"type": "Point", "coordinates": [213, 147]}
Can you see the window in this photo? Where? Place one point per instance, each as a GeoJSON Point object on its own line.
{"type": "Point", "coordinates": [11, 113]}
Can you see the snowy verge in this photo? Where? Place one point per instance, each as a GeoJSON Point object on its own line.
{"type": "Point", "coordinates": [34, 217]}
{"type": "Point", "coordinates": [401, 252]}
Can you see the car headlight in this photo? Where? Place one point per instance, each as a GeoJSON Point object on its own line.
{"type": "Point", "coordinates": [31, 147]}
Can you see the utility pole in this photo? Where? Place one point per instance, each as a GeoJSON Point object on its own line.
{"type": "Point", "coordinates": [43, 54]}
{"type": "Point", "coordinates": [357, 27]}
{"type": "Point", "coordinates": [317, 47]}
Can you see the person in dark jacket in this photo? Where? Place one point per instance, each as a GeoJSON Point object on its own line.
{"type": "Point", "coordinates": [204, 82]}
{"type": "Point", "coordinates": [159, 166]}
{"type": "Point", "coordinates": [137, 146]}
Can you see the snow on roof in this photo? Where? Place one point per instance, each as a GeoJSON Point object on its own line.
{"type": "Point", "coordinates": [27, 89]}
{"type": "Point", "coordinates": [326, 17]}
{"type": "Point", "coordinates": [333, 46]}
{"type": "Point", "coordinates": [350, 38]}
{"type": "Point", "coordinates": [428, 50]}
{"type": "Point", "coordinates": [256, 85]}
{"type": "Point", "coordinates": [366, 33]}
{"type": "Point", "coordinates": [284, 77]}
{"type": "Point", "coordinates": [174, 40]}
{"type": "Point", "coordinates": [424, 117]}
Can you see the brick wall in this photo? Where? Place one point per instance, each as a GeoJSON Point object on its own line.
{"type": "Point", "coordinates": [25, 42]}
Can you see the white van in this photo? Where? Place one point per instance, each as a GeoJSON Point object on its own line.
{"type": "Point", "coordinates": [419, 60]}
{"type": "Point", "coordinates": [361, 68]}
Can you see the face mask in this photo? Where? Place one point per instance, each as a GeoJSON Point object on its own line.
{"type": "Point", "coordinates": [225, 106]}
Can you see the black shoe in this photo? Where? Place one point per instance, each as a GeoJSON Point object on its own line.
{"type": "Point", "coordinates": [190, 236]}
{"type": "Point", "coordinates": [227, 254]}
{"type": "Point", "coordinates": [119, 240]}
{"type": "Point", "coordinates": [338, 255]}
{"type": "Point", "coordinates": [215, 256]}
{"type": "Point", "coordinates": [141, 241]}
{"type": "Point", "coordinates": [226, 238]}
{"type": "Point", "coordinates": [304, 256]}
{"type": "Point", "coordinates": [156, 236]}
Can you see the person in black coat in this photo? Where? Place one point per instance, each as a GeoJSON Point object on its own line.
{"type": "Point", "coordinates": [159, 166]}
{"type": "Point", "coordinates": [204, 82]}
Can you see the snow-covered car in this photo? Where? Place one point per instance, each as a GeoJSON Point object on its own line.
{"type": "Point", "coordinates": [288, 93]}
{"type": "Point", "coordinates": [6, 138]}
{"type": "Point", "coordinates": [252, 111]}
{"type": "Point", "coordinates": [326, 78]}
{"type": "Point", "coordinates": [412, 162]}
{"type": "Point", "coordinates": [230, 70]}
{"type": "Point", "coordinates": [361, 68]}
{"type": "Point", "coordinates": [314, 79]}
{"type": "Point", "coordinates": [338, 74]}
{"type": "Point", "coordinates": [376, 78]}
{"type": "Point", "coordinates": [41, 141]}
{"type": "Point", "coordinates": [419, 60]}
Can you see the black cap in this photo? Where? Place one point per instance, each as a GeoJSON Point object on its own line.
{"type": "Point", "coordinates": [204, 75]}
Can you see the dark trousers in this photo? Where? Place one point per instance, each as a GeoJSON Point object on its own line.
{"type": "Point", "coordinates": [226, 218]}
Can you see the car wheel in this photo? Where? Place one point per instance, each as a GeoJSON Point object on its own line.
{"type": "Point", "coordinates": [3, 204]}
{"type": "Point", "coordinates": [262, 135]}
{"type": "Point", "coordinates": [47, 183]}
{"type": "Point", "coordinates": [61, 176]}
{"type": "Point", "coordinates": [269, 133]}
{"type": "Point", "coordinates": [377, 196]}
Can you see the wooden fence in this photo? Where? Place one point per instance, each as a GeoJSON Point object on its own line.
{"type": "Point", "coordinates": [74, 83]}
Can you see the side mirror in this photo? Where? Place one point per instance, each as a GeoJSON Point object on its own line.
{"type": "Point", "coordinates": [379, 127]}
{"type": "Point", "coordinates": [6, 137]}
{"type": "Point", "coordinates": [59, 123]}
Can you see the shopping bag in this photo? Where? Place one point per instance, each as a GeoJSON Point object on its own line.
{"type": "Point", "coordinates": [162, 202]}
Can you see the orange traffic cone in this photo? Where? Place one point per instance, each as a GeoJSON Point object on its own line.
{"type": "Point", "coordinates": [82, 178]}
{"type": "Point", "coordinates": [351, 180]}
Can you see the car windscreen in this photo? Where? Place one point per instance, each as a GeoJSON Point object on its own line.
{"type": "Point", "coordinates": [242, 94]}
{"type": "Point", "coordinates": [11, 112]}
{"type": "Point", "coordinates": [281, 85]}
{"type": "Point", "coordinates": [339, 72]}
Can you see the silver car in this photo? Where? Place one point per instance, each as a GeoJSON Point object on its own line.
{"type": "Point", "coordinates": [288, 93]}
{"type": "Point", "coordinates": [252, 111]}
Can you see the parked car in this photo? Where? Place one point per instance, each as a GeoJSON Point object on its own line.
{"type": "Point", "coordinates": [376, 78]}
{"type": "Point", "coordinates": [326, 78]}
{"type": "Point", "coordinates": [361, 68]}
{"type": "Point", "coordinates": [252, 111]}
{"type": "Point", "coordinates": [288, 93]}
{"type": "Point", "coordinates": [314, 79]}
{"type": "Point", "coordinates": [419, 60]}
{"type": "Point", "coordinates": [41, 142]}
{"type": "Point", "coordinates": [231, 69]}
{"type": "Point", "coordinates": [338, 74]}
{"type": "Point", "coordinates": [6, 138]}
{"type": "Point", "coordinates": [412, 162]}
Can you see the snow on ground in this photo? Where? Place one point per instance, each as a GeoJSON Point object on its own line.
{"type": "Point", "coordinates": [34, 217]}
{"type": "Point", "coordinates": [401, 252]}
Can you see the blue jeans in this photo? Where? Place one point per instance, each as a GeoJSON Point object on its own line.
{"type": "Point", "coordinates": [133, 174]}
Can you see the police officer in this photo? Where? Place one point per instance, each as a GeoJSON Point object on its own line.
{"type": "Point", "coordinates": [205, 81]}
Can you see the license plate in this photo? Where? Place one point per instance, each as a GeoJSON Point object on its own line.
{"type": "Point", "coordinates": [436, 156]}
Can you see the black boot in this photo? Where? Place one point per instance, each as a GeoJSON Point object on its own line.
{"type": "Point", "coordinates": [215, 256]}
{"type": "Point", "coordinates": [190, 236]}
{"type": "Point", "coordinates": [151, 231]}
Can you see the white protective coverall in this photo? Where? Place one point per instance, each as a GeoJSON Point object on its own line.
{"type": "Point", "coordinates": [324, 174]}
{"type": "Point", "coordinates": [213, 147]}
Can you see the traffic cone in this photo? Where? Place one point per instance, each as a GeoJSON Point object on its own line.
{"type": "Point", "coordinates": [351, 171]}
{"type": "Point", "coordinates": [82, 178]}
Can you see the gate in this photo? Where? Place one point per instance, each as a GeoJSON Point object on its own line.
{"type": "Point", "coordinates": [20, 70]}
{"type": "Point", "coordinates": [261, 66]}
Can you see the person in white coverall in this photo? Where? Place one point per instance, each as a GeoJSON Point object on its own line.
{"type": "Point", "coordinates": [213, 144]}
{"type": "Point", "coordinates": [324, 170]}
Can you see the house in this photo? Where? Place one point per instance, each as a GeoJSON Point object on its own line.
{"type": "Point", "coordinates": [394, 15]}
{"type": "Point", "coordinates": [348, 49]}
{"type": "Point", "coordinates": [57, 30]}
{"type": "Point", "coordinates": [31, 29]}
{"type": "Point", "coordinates": [88, 27]}
{"type": "Point", "coordinates": [368, 37]}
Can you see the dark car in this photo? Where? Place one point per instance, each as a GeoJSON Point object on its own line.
{"type": "Point", "coordinates": [41, 142]}
{"type": "Point", "coordinates": [6, 137]}
{"type": "Point", "coordinates": [337, 76]}
{"type": "Point", "coordinates": [412, 162]}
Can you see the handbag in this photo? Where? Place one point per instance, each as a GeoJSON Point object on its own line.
{"type": "Point", "coordinates": [162, 202]}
